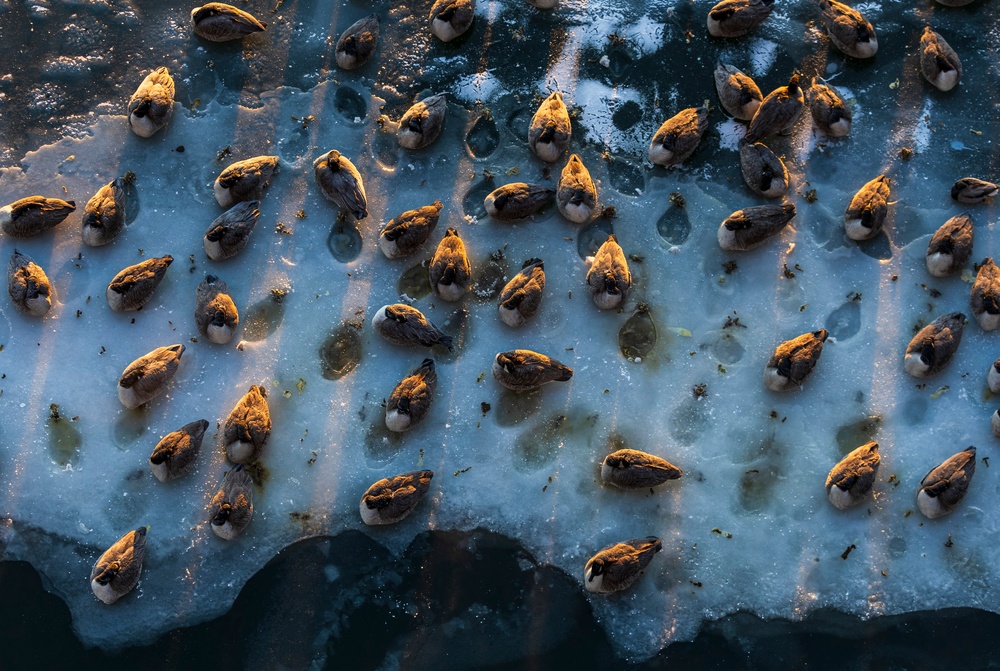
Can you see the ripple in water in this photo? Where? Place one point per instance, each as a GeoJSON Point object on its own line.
{"type": "Point", "coordinates": [340, 353]}
{"type": "Point", "coordinates": [484, 136]}
{"type": "Point", "coordinates": [350, 104]}
{"type": "Point", "coordinates": [415, 281]}
{"type": "Point", "coordinates": [344, 240]}
{"type": "Point", "coordinates": [264, 317]}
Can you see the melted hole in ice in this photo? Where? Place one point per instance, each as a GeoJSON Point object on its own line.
{"type": "Point", "coordinates": [457, 325]}
{"type": "Point", "coordinates": [897, 547]}
{"type": "Point", "coordinates": [905, 225]}
{"type": "Point", "coordinates": [264, 317]}
{"type": "Point", "coordinates": [490, 277]}
{"type": "Point", "coordinates": [484, 137]}
{"type": "Point", "coordinates": [350, 104]}
{"type": "Point", "coordinates": [592, 236]}
{"type": "Point", "coordinates": [854, 435]}
{"type": "Point", "coordinates": [540, 445]}
{"type": "Point", "coordinates": [637, 335]}
{"type": "Point", "coordinates": [845, 321]}
{"type": "Point", "coordinates": [130, 426]}
{"type": "Point", "coordinates": [415, 281]}
{"type": "Point", "coordinates": [878, 247]}
{"type": "Point", "coordinates": [295, 144]}
{"type": "Point", "coordinates": [625, 177]}
{"type": "Point", "coordinates": [915, 410]}
{"type": "Point", "coordinates": [344, 240]}
{"type": "Point", "coordinates": [472, 204]}
{"type": "Point", "coordinates": [64, 438]}
{"type": "Point", "coordinates": [726, 347]}
{"type": "Point", "coordinates": [131, 199]}
{"type": "Point", "coordinates": [674, 226]}
{"type": "Point", "coordinates": [514, 407]}
{"type": "Point", "coordinates": [627, 115]}
{"type": "Point", "coordinates": [689, 420]}
{"type": "Point", "coordinates": [130, 499]}
{"type": "Point", "coordinates": [340, 353]}
{"type": "Point", "coordinates": [758, 480]}
{"type": "Point", "coordinates": [385, 150]}
{"type": "Point", "coordinates": [518, 122]}
{"type": "Point", "coordinates": [381, 444]}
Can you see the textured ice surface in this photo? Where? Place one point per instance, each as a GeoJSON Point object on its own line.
{"type": "Point", "coordinates": [747, 527]}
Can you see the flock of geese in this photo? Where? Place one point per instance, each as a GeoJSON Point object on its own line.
{"type": "Point", "coordinates": [240, 186]}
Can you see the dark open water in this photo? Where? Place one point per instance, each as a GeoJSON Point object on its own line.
{"type": "Point", "coordinates": [458, 600]}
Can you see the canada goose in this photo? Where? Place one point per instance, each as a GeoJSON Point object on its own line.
{"type": "Point", "coordinates": [576, 196]}
{"type": "Point", "coordinates": [230, 232]}
{"type": "Point", "coordinates": [753, 226]}
{"type": "Point", "coordinates": [866, 214]}
{"type": "Point", "coordinates": [451, 18]}
{"type": "Point", "coordinates": [134, 286]}
{"type": "Point", "coordinates": [449, 269]}
{"type": "Point", "coordinates": [28, 285]}
{"type": "Point", "coordinates": [244, 180]}
{"type": "Point", "coordinates": [520, 298]}
{"type": "Point", "coordinates": [738, 93]}
{"type": "Point", "coordinates": [550, 132]}
{"type": "Point", "coordinates": [412, 398]}
{"type": "Point", "coordinates": [215, 313]}
{"type": "Point", "coordinates": [231, 508]}
{"type": "Point", "coordinates": [177, 451]}
{"type": "Point", "coordinates": [971, 190]}
{"type": "Point", "coordinates": [357, 44]}
{"type": "Point", "coordinates": [148, 376]}
{"type": "Point", "coordinates": [402, 325]}
{"type": "Point", "coordinates": [852, 478]}
{"type": "Point", "coordinates": [993, 377]}
{"type": "Point", "coordinates": [932, 348]}
{"type": "Point", "coordinates": [150, 106]}
{"type": "Point", "coordinates": [391, 499]}
{"type": "Point", "coordinates": [248, 427]}
{"type": "Point", "coordinates": [985, 296]}
{"type": "Point", "coordinates": [518, 200]}
{"type": "Point", "coordinates": [794, 360]}
{"type": "Point", "coordinates": [34, 215]}
{"type": "Point", "coordinates": [828, 110]}
{"type": "Point", "coordinates": [219, 22]}
{"type": "Point", "coordinates": [944, 487]}
{"type": "Point", "coordinates": [609, 278]}
{"type": "Point", "coordinates": [995, 423]}
{"type": "Point", "coordinates": [733, 18]}
{"type": "Point", "coordinates": [632, 469]}
{"type": "Point", "coordinates": [849, 31]}
{"type": "Point", "coordinates": [407, 232]}
{"type": "Point", "coordinates": [951, 246]}
{"type": "Point", "coordinates": [939, 64]}
{"type": "Point", "coordinates": [762, 170]}
{"type": "Point", "coordinates": [117, 571]}
{"type": "Point", "coordinates": [615, 568]}
{"type": "Point", "coordinates": [524, 370]}
{"type": "Point", "coordinates": [104, 214]}
{"type": "Point", "coordinates": [778, 112]}
{"type": "Point", "coordinates": [422, 123]}
{"type": "Point", "coordinates": [339, 181]}
{"type": "Point", "coordinates": [678, 137]}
